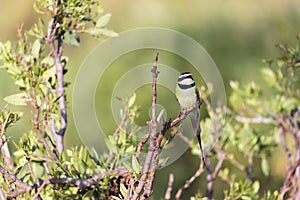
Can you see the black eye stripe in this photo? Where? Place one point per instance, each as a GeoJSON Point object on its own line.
{"type": "Point", "coordinates": [182, 86]}
{"type": "Point", "coordinates": [180, 78]}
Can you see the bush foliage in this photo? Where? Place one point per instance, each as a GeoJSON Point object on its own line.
{"type": "Point", "coordinates": [258, 119]}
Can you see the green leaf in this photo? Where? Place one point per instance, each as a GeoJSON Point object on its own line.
{"type": "Point", "coordinates": [290, 103]}
{"type": "Point", "coordinates": [234, 84]}
{"type": "Point", "coordinates": [265, 166]}
{"type": "Point", "coordinates": [123, 190]}
{"type": "Point", "coordinates": [36, 8]}
{"type": "Point", "coordinates": [135, 165]}
{"type": "Point", "coordinates": [71, 38]}
{"type": "Point", "coordinates": [111, 144]}
{"type": "Point", "coordinates": [101, 31]}
{"type": "Point", "coordinates": [36, 46]}
{"type": "Point", "coordinates": [132, 100]}
{"type": "Point", "coordinates": [270, 77]}
{"type": "Point", "coordinates": [255, 187]}
{"type": "Point", "coordinates": [246, 198]}
{"type": "Point", "coordinates": [128, 167]}
{"type": "Point", "coordinates": [48, 61]}
{"type": "Point", "coordinates": [19, 99]}
{"type": "Point", "coordinates": [103, 20]}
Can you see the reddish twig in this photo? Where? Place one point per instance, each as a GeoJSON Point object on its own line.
{"type": "Point", "coordinates": [187, 184]}
{"type": "Point", "coordinates": [211, 176]}
{"type": "Point", "coordinates": [168, 194]}
{"type": "Point", "coordinates": [82, 183]}
{"type": "Point", "coordinates": [56, 52]}
{"type": "Point", "coordinates": [23, 187]}
{"type": "Point", "coordinates": [152, 134]}
{"type": "Point", "coordinates": [6, 153]}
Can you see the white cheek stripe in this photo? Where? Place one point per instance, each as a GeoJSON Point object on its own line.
{"type": "Point", "coordinates": [187, 81]}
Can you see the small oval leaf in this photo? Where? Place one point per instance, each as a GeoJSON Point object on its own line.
{"type": "Point", "coordinates": [103, 20]}
{"type": "Point", "coordinates": [19, 99]}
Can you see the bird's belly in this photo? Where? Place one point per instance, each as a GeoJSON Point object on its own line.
{"type": "Point", "coordinates": [187, 102]}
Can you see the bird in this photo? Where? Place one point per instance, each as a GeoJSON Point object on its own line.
{"type": "Point", "coordinates": [187, 95]}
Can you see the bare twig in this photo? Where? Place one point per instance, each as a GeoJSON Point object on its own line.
{"type": "Point", "coordinates": [56, 52]}
{"type": "Point", "coordinates": [36, 127]}
{"type": "Point", "coordinates": [172, 136]}
{"type": "Point", "coordinates": [235, 163]}
{"type": "Point", "coordinates": [284, 145]}
{"type": "Point", "coordinates": [254, 120]}
{"type": "Point", "coordinates": [23, 187]}
{"type": "Point", "coordinates": [124, 120]}
{"type": "Point", "coordinates": [289, 179]}
{"type": "Point", "coordinates": [168, 194]}
{"type": "Point", "coordinates": [211, 176]}
{"type": "Point", "coordinates": [141, 144]}
{"type": "Point", "coordinates": [130, 188]}
{"type": "Point", "coordinates": [2, 196]}
{"type": "Point", "coordinates": [250, 167]}
{"type": "Point", "coordinates": [152, 134]}
{"type": "Point", "coordinates": [82, 183]}
{"type": "Point", "coordinates": [6, 153]}
{"type": "Point", "coordinates": [189, 181]}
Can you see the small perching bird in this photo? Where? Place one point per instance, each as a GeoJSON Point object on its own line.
{"type": "Point", "coordinates": [187, 95]}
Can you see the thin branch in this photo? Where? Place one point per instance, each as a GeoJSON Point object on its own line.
{"type": "Point", "coordinates": [141, 144]}
{"type": "Point", "coordinates": [254, 120]}
{"type": "Point", "coordinates": [36, 122]}
{"type": "Point", "coordinates": [82, 183]}
{"type": "Point", "coordinates": [189, 181]}
{"type": "Point", "coordinates": [152, 133]}
{"type": "Point", "coordinates": [124, 120]}
{"type": "Point", "coordinates": [130, 188]}
{"type": "Point", "coordinates": [211, 176]}
{"type": "Point", "coordinates": [172, 136]}
{"type": "Point", "coordinates": [288, 179]}
{"type": "Point", "coordinates": [56, 52]}
{"type": "Point", "coordinates": [2, 196]}
{"type": "Point", "coordinates": [235, 163]}
{"type": "Point", "coordinates": [6, 153]}
{"type": "Point", "coordinates": [284, 144]}
{"type": "Point", "coordinates": [250, 167]}
{"type": "Point", "coordinates": [168, 194]}
{"type": "Point", "coordinates": [24, 187]}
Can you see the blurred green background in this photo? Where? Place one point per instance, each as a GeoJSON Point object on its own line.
{"type": "Point", "coordinates": [236, 34]}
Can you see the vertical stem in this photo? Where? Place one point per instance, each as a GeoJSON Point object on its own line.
{"type": "Point", "coordinates": [152, 133]}
{"type": "Point", "coordinates": [169, 189]}
{"type": "Point", "coordinates": [61, 95]}
{"type": "Point", "coordinates": [6, 154]}
{"type": "Point", "coordinates": [56, 52]}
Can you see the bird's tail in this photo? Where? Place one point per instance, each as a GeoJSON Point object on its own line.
{"type": "Point", "coordinates": [195, 116]}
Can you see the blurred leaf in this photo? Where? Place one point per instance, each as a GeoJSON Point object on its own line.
{"type": "Point", "coordinates": [135, 165]}
{"type": "Point", "coordinates": [290, 103]}
{"type": "Point", "coordinates": [48, 61]}
{"type": "Point", "coordinates": [101, 31]}
{"type": "Point", "coordinates": [71, 38]}
{"type": "Point", "coordinates": [37, 9]}
{"type": "Point", "coordinates": [128, 167]}
{"type": "Point", "coordinates": [103, 20]}
{"type": "Point", "coordinates": [234, 84]}
{"type": "Point", "coordinates": [256, 187]}
{"type": "Point", "coordinates": [132, 100]}
{"type": "Point", "coordinates": [123, 190]}
{"type": "Point", "coordinates": [19, 99]}
{"type": "Point", "coordinates": [265, 166]}
{"type": "Point", "coordinates": [36, 48]}
{"type": "Point", "coordinates": [111, 144]}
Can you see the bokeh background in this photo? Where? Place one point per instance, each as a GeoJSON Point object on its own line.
{"type": "Point", "coordinates": [236, 34]}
